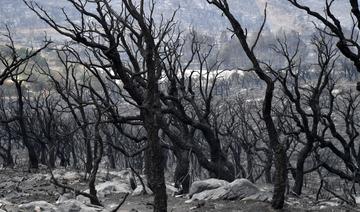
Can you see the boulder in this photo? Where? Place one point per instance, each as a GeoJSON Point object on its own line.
{"type": "Point", "coordinates": [71, 176]}
{"type": "Point", "coordinates": [203, 185]}
{"type": "Point", "coordinates": [7, 206]}
{"type": "Point", "coordinates": [120, 175]}
{"type": "Point", "coordinates": [38, 206]}
{"type": "Point", "coordinates": [110, 187]}
{"type": "Point", "coordinates": [238, 189]}
{"type": "Point", "coordinates": [260, 196]}
{"type": "Point", "coordinates": [68, 176]}
{"type": "Point", "coordinates": [64, 197]}
{"type": "Point", "coordinates": [77, 206]}
{"type": "Point", "coordinates": [170, 189]}
{"type": "Point", "coordinates": [106, 188]}
{"type": "Point", "coordinates": [138, 191]}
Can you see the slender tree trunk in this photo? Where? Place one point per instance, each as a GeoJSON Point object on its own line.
{"type": "Point", "coordinates": [268, 165]}
{"type": "Point", "coordinates": [236, 151]}
{"type": "Point", "coordinates": [110, 156]}
{"type": "Point", "coordinates": [98, 149]}
{"type": "Point", "coordinates": [33, 159]}
{"type": "Point", "coordinates": [280, 162]}
{"type": "Point", "coordinates": [249, 160]}
{"type": "Point", "coordinates": [43, 154]}
{"type": "Point", "coordinates": [5, 154]}
{"type": "Point", "coordinates": [9, 161]}
{"type": "Point", "coordinates": [33, 156]}
{"type": "Point", "coordinates": [74, 156]}
{"type": "Point", "coordinates": [299, 171]}
{"type": "Point", "coordinates": [52, 155]}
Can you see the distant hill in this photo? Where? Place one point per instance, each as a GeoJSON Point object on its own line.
{"type": "Point", "coordinates": [192, 13]}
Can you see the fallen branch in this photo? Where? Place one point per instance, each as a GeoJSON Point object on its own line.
{"type": "Point", "coordinates": [76, 191]}
{"type": "Point", "coordinates": [344, 199]}
{"type": "Point", "coordinates": [121, 203]}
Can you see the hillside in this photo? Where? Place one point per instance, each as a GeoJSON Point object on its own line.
{"type": "Point", "coordinates": [198, 14]}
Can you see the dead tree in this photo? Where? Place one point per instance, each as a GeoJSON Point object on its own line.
{"type": "Point", "coordinates": [347, 43]}
{"type": "Point", "coordinates": [14, 64]}
{"type": "Point", "coordinates": [11, 59]}
{"type": "Point", "coordinates": [304, 95]}
{"type": "Point", "coordinates": [190, 98]}
{"type": "Point", "coordinates": [45, 117]}
{"type": "Point", "coordinates": [244, 125]}
{"type": "Point", "coordinates": [7, 133]}
{"type": "Point", "coordinates": [132, 31]}
{"type": "Point", "coordinates": [277, 147]}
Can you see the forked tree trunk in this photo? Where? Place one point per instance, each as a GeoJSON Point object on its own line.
{"type": "Point", "coordinates": [182, 175]}
{"type": "Point", "coordinates": [224, 169]}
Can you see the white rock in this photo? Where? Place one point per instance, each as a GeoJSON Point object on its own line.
{"type": "Point", "coordinates": [83, 199]}
{"type": "Point", "coordinates": [260, 196]}
{"type": "Point", "coordinates": [4, 203]}
{"type": "Point", "coordinates": [71, 176]}
{"type": "Point", "coordinates": [123, 174]}
{"type": "Point", "coordinates": [106, 188]}
{"type": "Point", "coordinates": [76, 206]}
{"type": "Point", "coordinates": [357, 200]}
{"type": "Point", "coordinates": [139, 189]}
{"type": "Point", "coordinates": [238, 189]}
{"type": "Point", "coordinates": [330, 203]}
{"type": "Point", "coordinates": [64, 197]}
{"type": "Point", "coordinates": [209, 184]}
{"type": "Point", "coordinates": [38, 206]}
{"type": "Point", "coordinates": [171, 189]}
{"type": "Point", "coordinates": [110, 187]}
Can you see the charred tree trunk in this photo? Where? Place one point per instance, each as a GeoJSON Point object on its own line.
{"type": "Point", "coordinates": [154, 155]}
{"type": "Point", "coordinates": [99, 149]}
{"type": "Point", "coordinates": [110, 153]}
{"type": "Point", "coordinates": [268, 165]}
{"type": "Point", "coordinates": [154, 163]}
{"type": "Point", "coordinates": [87, 140]}
{"type": "Point", "coordinates": [5, 154]}
{"type": "Point", "coordinates": [249, 161]}
{"type": "Point", "coordinates": [280, 157]}
{"type": "Point", "coordinates": [33, 157]}
{"type": "Point", "coordinates": [74, 156]}
{"type": "Point", "coordinates": [236, 151]}
{"type": "Point", "coordinates": [43, 154]}
{"type": "Point", "coordinates": [52, 156]}
{"type": "Point", "coordinates": [299, 171]}
{"type": "Point", "coordinates": [223, 168]}
{"type": "Point", "coordinates": [277, 147]}
{"type": "Point", "coordinates": [182, 172]}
